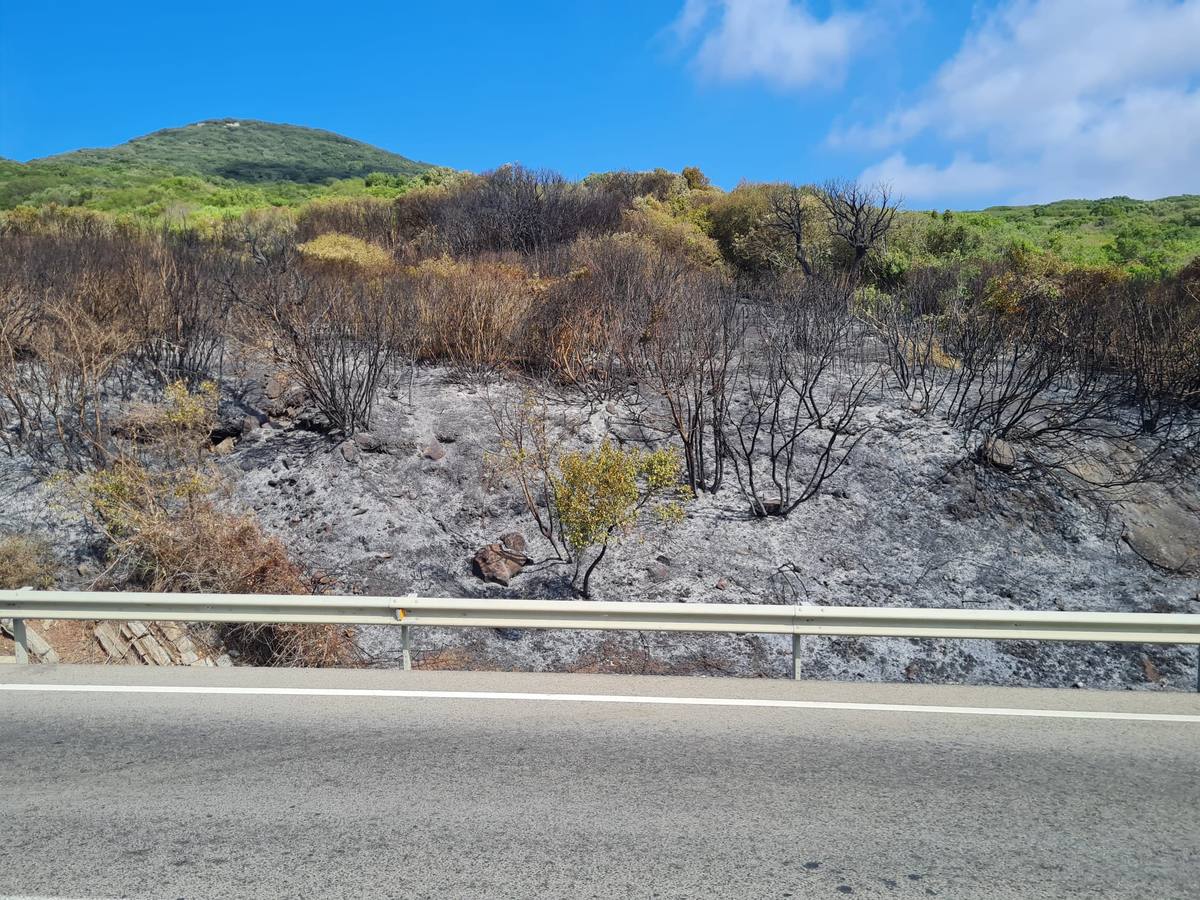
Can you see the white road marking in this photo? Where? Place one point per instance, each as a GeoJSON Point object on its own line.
{"type": "Point", "coordinates": [606, 698]}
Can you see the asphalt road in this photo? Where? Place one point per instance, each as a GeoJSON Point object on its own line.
{"type": "Point", "coordinates": [186, 794]}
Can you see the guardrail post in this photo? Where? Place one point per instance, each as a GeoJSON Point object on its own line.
{"type": "Point", "coordinates": [20, 641]}
{"type": "Point", "coordinates": [407, 648]}
{"type": "Point", "coordinates": [797, 640]}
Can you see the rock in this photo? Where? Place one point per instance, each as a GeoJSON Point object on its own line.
{"type": "Point", "coordinates": [1164, 533]}
{"type": "Point", "coordinates": [250, 423]}
{"type": "Point", "coordinates": [225, 447]}
{"type": "Point", "coordinates": [495, 563]}
{"type": "Point", "coordinates": [659, 571]}
{"type": "Point", "coordinates": [277, 385]}
{"type": "Point", "coordinates": [111, 640]}
{"type": "Point", "coordinates": [310, 419]}
{"type": "Point", "coordinates": [514, 541]}
{"type": "Point", "coordinates": [434, 451]}
{"type": "Point", "coordinates": [368, 443]}
{"type": "Point", "coordinates": [37, 646]}
{"type": "Point", "coordinates": [999, 453]}
{"type": "Point", "coordinates": [226, 428]}
{"type": "Point", "coordinates": [135, 629]}
{"type": "Point", "coordinates": [349, 451]}
{"type": "Point", "coordinates": [152, 652]}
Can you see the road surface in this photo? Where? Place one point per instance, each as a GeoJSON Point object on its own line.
{"type": "Point", "coordinates": [138, 782]}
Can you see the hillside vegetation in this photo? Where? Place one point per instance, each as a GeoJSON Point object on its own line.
{"type": "Point", "coordinates": [636, 385]}
{"type": "Point", "coordinates": [211, 169]}
{"type": "Point", "coordinates": [218, 170]}
{"type": "Point", "coordinates": [1149, 234]}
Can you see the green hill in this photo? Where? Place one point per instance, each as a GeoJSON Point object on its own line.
{"type": "Point", "coordinates": [249, 151]}
{"type": "Point", "coordinates": [1150, 234]}
{"type": "Point", "coordinates": [215, 167]}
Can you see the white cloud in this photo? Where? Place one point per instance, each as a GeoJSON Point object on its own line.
{"type": "Point", "coordinates": [1056, 98]}
{"type": "Point", "coordinates": [776, 41]}
{"type": "Point", "coordinates": [961, 176]}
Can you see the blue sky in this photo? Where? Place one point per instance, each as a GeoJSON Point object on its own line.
{"type": "Point", "coordinates": [956, 104]}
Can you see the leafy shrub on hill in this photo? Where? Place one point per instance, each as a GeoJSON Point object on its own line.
{"type": "Point", "coordinates": [673, 233]}
{"type": "Point", "coordinates": [603, 494]}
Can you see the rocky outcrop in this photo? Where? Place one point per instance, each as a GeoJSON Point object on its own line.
{"type": "Point", "coordinates": [503, 561]}
{"type": "Point", "coordinates": [152, 644]}
{"type": "Point", "coordinates": [1165, 532]}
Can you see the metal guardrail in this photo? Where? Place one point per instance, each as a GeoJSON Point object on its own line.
{"type": "Point", "coordinates": [796, 620]}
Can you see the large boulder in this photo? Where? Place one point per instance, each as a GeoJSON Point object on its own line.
{"type": "Point", "coordinates": [499, 563]}
{"type": "Point", "coordinates": [1164, 531]}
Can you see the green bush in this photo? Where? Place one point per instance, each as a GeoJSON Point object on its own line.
{"type": "Point", "coordinates": [604, 494]}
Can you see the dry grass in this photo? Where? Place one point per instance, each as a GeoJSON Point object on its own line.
{"type": "Point", "coordinates": [26, 562]}
{"type": "Point", "coordinates": [207, 550]}
{"type": "Point", "coordinates": [165, 532]}
{"type": "Point", "coordinates": [473, 314]}
{"type": "Point", "coordinates": [294, 645]}
{"type": "Point", "coordinates": [343, 251]}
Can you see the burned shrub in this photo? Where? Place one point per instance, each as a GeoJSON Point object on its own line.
{"type": "Point", "coordinates": [801, 388]}
{"type": "Point", "coordinates": [66, 337]}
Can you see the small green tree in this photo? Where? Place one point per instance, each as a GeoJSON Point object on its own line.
{"type": "Point", "coordinates": [603, 494]}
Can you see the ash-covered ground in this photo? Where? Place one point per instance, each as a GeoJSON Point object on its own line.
{"type": "Point", "coordinates": [910, 520]}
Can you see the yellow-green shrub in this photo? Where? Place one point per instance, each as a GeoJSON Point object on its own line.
{"type": "Point", "coordinates": [602, 495]}
{"type": "Point", "coordinates": [333, 250]}
{"type": "Point", "coordinates": [675, 234]}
